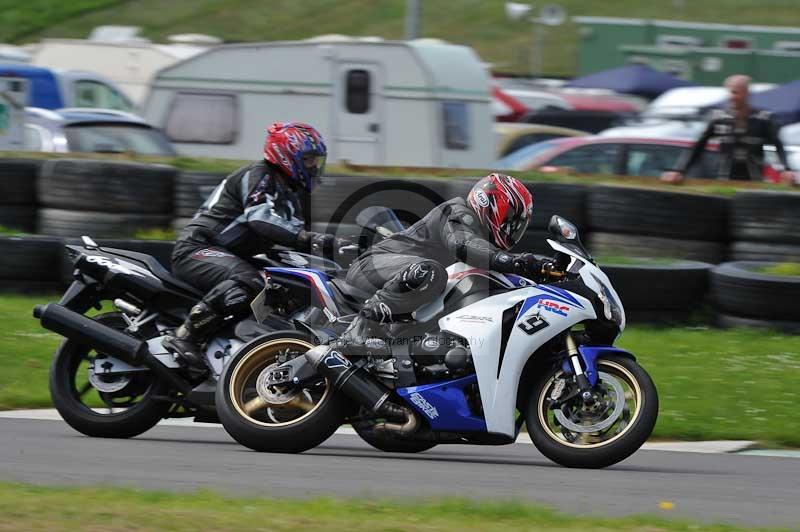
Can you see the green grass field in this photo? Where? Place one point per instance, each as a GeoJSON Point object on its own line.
{"type": "Point", "coordinates": [713, 384]}
{"type": "Point", "coordinates": [25, 507]}
{"type": "Point", "coordinates": [478, 23]}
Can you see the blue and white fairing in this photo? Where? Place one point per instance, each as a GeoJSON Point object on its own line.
{"type": "Point", "coordinates": [504, 330]}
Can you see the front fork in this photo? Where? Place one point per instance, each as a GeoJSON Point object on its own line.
{"type": "Point", "coordinates": [575, 362]}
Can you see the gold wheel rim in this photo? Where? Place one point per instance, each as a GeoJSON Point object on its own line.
{"type": "Point", "coordinates": [632, 383]}
{"type": "Point", "coordinates": [252, 363]}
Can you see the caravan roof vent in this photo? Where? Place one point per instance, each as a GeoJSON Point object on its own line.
{"type": "Point", "coordinates": [116, 34]}
{"type": "Point", "coordinates": [193, 38]}
{"type": "Point", "coordinates": [429, 40]}
{"type": "Point", "coordinates": [331, 37]}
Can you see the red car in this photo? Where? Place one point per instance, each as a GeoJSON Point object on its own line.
{"type": "Point", "coordinates": [609, 155]}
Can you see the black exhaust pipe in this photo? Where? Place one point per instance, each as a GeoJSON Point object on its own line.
{"type": "Point", "coordinates": [78, 327]}
{"type": "Point", "coordinates": [352, 380]}
{"type": "Point", "coordinates": [102, 338]}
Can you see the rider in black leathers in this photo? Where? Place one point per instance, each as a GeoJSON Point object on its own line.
{"type": "Point", "coordinates": [254, 208]}
{"type": "Point", "coordinates": [407, 270]}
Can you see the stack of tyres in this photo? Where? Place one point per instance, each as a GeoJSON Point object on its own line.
{"type": "Point", "coordinates": [103, 199]}
{"type": "Point", "coordinates": [18, 194]}
{"type": "Point", "coordinates": [634, 222]}
{"type": "Point", "coordinates": [764, 226]}
{"type": "Point", "coordinates": [27, 263]}
{"type": "Point", "coordinates": [191, 191]}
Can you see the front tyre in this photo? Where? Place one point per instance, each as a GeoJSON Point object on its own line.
{"type": "Point", "coordinates": [613, 426]}
{"type": "Point", "coordinates": [286, 419]}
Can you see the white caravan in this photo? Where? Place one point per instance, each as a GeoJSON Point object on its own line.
{"type": "Point", "coordinates": [415, 103]}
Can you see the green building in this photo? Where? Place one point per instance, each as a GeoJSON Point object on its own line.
{"type": "Point", "coordinates": [704, 53]}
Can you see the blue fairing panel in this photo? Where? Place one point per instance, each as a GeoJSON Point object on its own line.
{"type": "Point", "coordinates": [590, 354]}
{"type": "Point", "coordinates": [444, 405]}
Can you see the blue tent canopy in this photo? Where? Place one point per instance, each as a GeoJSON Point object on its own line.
{"type": "Point", "coordinates": [782, 101]}
{"type": "Point", "coordinates": [637, 79]}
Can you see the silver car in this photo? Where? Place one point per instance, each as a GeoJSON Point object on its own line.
{"type": "Point", "coordinates": [93, 131]}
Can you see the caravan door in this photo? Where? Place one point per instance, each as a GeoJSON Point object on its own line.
{"type": "Point", "coordinates": [358, 130]}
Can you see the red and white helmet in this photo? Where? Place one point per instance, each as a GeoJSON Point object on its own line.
{"type": "Point", "coordinates": [504, 207]}
{"type": "Point", "coordinates": [298, 150]}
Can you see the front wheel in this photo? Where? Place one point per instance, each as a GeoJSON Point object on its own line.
{"type": "Point", "coordinates": [285, 419]}
{"type": "Point", "coordinates": [609, 428]}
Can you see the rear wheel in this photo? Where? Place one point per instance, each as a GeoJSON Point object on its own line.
{"type": "Point", "coordinates": [617, 421]}
{"type": "Point", "coordinates": [119, 406]}
{"type": "Point", "coordinates": [286, 419]}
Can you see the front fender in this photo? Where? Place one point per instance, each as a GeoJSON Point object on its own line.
{"type": "Point", "coordinates": [589, 355]}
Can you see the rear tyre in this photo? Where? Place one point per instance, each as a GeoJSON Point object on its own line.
{"type": "Point", "coordinates": [611, 430]}
{"type": "Point", "coordinates": [125, 413]}
{"type": "Point", "coordinates": [289, 419]}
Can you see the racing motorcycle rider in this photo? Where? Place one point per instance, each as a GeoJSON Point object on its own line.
{"type": "Point", "coordinates": [254, 208]}
{"type": "Point", "coordinates": [407, 269]}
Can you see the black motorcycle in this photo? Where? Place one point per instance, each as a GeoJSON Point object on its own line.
{"type": "Point", "coordinates": [111, 377]}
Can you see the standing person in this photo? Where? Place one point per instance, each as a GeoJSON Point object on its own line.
{"type": "Point", "coordinates": [742, 133]}
{"type": "Point", "coordinates": [254, 208]}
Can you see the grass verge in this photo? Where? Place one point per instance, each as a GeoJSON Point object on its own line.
{"type": "Point", "coordinates": [25, 507]}
{"type": "Point", "coordinates": [713, 384]}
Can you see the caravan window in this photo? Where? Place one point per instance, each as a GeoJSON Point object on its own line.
{"type": "Point", "coordinates": [456, 125]}
{"type": "Point", "coordinates": [202, 118]}
{"type": "Point", "coordinates": [89, 93]}
{"type": "Point", "coordinates": [357, 92]}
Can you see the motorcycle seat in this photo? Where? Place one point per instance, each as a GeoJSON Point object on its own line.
{"type": "Point", "coordinates": [347, 295]}
{"type": "Point", "coordinates": [157, 269]}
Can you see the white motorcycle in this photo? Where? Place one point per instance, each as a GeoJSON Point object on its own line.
{"type": "Point", "coordinates": [493, 352]}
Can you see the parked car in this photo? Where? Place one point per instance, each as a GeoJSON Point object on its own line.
{"type": "Point", "coordinates": [591, 121]}
{"type": "Point", "coordinates": [58, 89]}
{"type": "Point", "coordinates": [93, 131]}
{"type": "Point", "coordinates": [513, 136]}
{"type": "Point", "coordinates": [692, 101]}
{"type": "Point", "coordinates": [658, 128]}
{"type": "Point", "coordinates": [609, 155]}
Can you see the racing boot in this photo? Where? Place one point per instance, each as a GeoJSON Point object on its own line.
{"type": "Point", "coordinates": [368, 330]}
{"type": "Point", "coordinates": [186, 342]}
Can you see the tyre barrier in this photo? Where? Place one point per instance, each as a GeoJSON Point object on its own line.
{"type": "Point", "coordinates": [764, 252]}
{"type": "Point", "coordinates": [339, 199]}
{"type": "Point", "coordinates": [103, 199]}
{"type": "Point", "coordinates": [192, 189]}
{"type": "Point", "coordinates": [116, 187]}
{"type": "Point", "coordinates": [673, 224]}
{"type": "Point", "coordinates": [738, 289]}
{"type": "Point", "coordinates": [18, 193]}
{"type": "Point", "coordinates": [624, 245]}
{"type": "Point", "coordinates": [660, 292]}
{"type": "Point", "coordinates": [28, 263]}
{"type": "Point", "coordinates": [766, 216]}
{"type": "Point", "coordinates": [66, 223]}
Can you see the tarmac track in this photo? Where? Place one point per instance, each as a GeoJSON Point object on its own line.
{"type": "Point", "coordinates": [752, 490]}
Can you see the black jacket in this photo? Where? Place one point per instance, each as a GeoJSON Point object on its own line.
{"type": "Point", "coordinates": [449, 233]}
{"type": "Point", "coordinates": [741, 149]}
{"type": "Point", "coordinates": [249, 212]}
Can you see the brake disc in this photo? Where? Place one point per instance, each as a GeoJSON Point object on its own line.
{"type": "Point", "coordinates": [274, 394]}
{"type": "Point", "coordinates": [108, 383]}
{"type": "Point", "coordinates": [619, 407]}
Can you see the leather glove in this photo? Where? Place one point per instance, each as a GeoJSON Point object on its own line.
{"type": "Point", "coordinates": [527, 265]}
